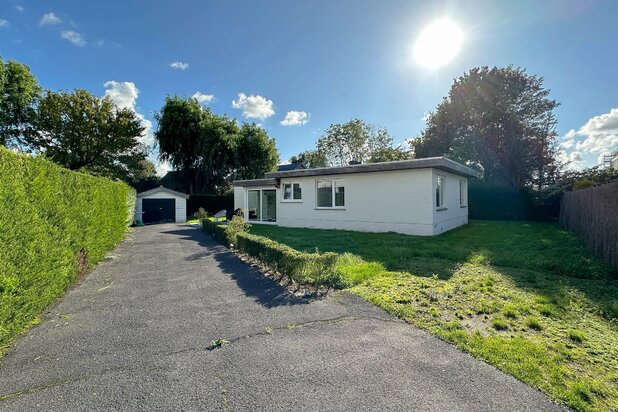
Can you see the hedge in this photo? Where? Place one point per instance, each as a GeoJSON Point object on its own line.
{"type": "Point", "coordinates": [491, 201]}
{"type": "Point", "coordinates": [319, 269]}
{"type": "Point", "coordinates": [55, 224]}
{"type": "Point", "coordinates": [211, 203]}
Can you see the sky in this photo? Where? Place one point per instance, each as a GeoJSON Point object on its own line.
{"type": "Point", "coordinates": [295, 67]}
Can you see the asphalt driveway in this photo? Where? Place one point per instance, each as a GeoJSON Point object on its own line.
{"type": "Point", "coordinates": [134, 335]}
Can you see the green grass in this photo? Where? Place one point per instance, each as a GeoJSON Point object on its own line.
{"type": "Point", "coordinates": [525, 297]}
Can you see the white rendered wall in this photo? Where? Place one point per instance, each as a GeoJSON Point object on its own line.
{"type": "Point", "coordinates": [452, 214]}
{"type": "Point", "coordinates": [397, 201]}
{"type": "Point", "coordinates": [239, 198]}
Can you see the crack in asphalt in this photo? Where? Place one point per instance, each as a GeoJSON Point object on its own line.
{"type": "Point", "coordinates": [314, 323]}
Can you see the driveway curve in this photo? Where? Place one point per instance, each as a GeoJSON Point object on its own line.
{"type": "Point", "coordinates": [135, 334]}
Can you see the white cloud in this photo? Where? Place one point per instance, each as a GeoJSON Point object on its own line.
{"type": "Point", "coordinates": [294, 118]}
{"type": "Point", "coordinates": [179, 65]}
{"type": "Point", "coordinates": [19, 8]}
{"type": "Point", "coordinates": [50, 19]}
{"type": "Point", "coordinates": [599, 135]}
{"type": "Point", "coordinates": [254, 107]}
{"type": "Point", "coordinates": [4, 23]}
{"type": "Point", "coordinates": [124, 95]}
{"type": "Point", "coordinates": [203, 98]}
{"type": "Point", "coordinates": [76, 38]}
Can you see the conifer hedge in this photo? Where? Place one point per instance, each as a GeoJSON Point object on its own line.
{"type": "Point", "coordinates": [55, 224]}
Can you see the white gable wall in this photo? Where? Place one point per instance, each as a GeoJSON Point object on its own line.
{"type": "Point", "coordinates": [452, 214]}
{"type": "Point", "coordinates": [181, 205]}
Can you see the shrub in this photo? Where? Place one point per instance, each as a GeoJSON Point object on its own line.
{"type": "Point", "coordinates": [234, 227]}
{"type": "Point", "coordinates": [201, 214]}
{"type": "Point", "coordinates": [319, 269]}
{"type": "Point", "coordinates": [314, 268]}
{"type": "Point", "coordinates": [55, 225]}
{"type": "Point", "coordinates": [216, 230]}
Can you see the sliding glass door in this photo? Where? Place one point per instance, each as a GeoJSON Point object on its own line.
{"type": "Point", "coordinates": [262, 205]}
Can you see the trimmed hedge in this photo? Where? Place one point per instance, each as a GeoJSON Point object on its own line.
{"type": "Point", "coordinates": [319, 269]}
{"type": "Point", "coordinates": [55, 224]}
{"type": "Point", "coordinates": [211, 203]}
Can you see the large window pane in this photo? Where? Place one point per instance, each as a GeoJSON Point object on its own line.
{"type": "Point", "coordinates": [254, 205]}
{"type": "Point", "coordinates": [269, 206]}
{"type": "Point", "coordinates": [298, 195]}
{"type": "Point", "coordinates": [324, 194]}
{"type": "Point", "coordinates": [339, 193]}
{"type": "Point", "coordinates": [439, 191]}
{"type": "Point", "coordinates": [287, 191]}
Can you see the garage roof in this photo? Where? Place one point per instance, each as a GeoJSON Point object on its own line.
{"type": "Point", "coordinates": [162, 189]}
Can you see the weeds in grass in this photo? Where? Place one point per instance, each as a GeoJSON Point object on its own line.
{"type": "Point", "coordinates": [521, 308]}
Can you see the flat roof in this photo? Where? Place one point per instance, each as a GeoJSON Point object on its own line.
{"type": "Point", "coordinates": [255, 182]}
{"type": "Point", "coordinates": [442, 163]}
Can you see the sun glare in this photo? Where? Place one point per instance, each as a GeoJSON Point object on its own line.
{"type": "Point", "coordinates": [438, 44]}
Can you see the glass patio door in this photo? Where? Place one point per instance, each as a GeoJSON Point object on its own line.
{"type": "Point", "coordinates": [262, 205]}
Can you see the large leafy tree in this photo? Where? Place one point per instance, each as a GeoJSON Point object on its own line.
{"type": "Point", "coordinates": [179, 135]}
{"type": "Point", "coordinates": [498, 120]}
{"type": "Point", "coordinates": [310, 159]}
{"type": "Point", "coordinates": [81, 131]}
{"type": "Point", "coordinates": [210, 150]}
{"type": "Point", "coordinates": [255, 153]}
{"type": "Point", "coordinates": [354, 142]}
{"type": "Point", "coordinates": [19, 90]}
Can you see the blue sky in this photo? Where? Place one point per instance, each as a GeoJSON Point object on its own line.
{"type": "Point", "coordinates": [323, 61]}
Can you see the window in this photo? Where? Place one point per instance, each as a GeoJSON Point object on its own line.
{"type": "Point", "coordinates": [262, 205]}
{"type": "Point", "coordinates": [330, 193]}
{"type": "Point", "coordinates": [292, 191]}
{"type": "Point", "coordinates": [439, 191]}
{"type": "Point", "coordinates": [463, 193]}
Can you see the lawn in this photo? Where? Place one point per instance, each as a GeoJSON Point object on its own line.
{"type": "Point", "coordinates": [525, 297]}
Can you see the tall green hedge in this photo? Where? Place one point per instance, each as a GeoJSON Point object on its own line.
{"type": "Point", "coordinates": [54, 224]}
{"type": "Point", "coordinates": [495, 201]}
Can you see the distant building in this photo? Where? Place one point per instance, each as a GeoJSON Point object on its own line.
{"type": "Point", "coordinates": [611, 160]}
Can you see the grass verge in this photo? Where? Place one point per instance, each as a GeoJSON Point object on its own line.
{"type": "Point", "coordinates": [527, 298]}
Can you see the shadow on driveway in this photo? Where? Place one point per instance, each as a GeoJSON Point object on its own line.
{"type": "Point", "coordinates": [264, 291]}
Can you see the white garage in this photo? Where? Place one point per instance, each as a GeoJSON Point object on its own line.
{"type": "Point", "coordinates": [161, 205]}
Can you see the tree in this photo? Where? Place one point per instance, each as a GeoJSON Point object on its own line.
{"type": "Point", "coordinates": [255, 153]}
{"type": "Point", "coordinates": [83, 132]}
{"type": "Point", "coordinates": [179, 134]}
{"type": "Point", "coordinates": [19, 91]}
{"type": "Point", "coordinates": [310, 159]}
{"type": "Point", "coordinates": [216, 151]}
{"type": "Point", "coordinates": [210, 149]}
{"type": "Point", "coordinates": [499, 121]}
{"type": "Point", "coordinates": [353, 141]}
{"type": "Point", "coordinates": [389, 154]}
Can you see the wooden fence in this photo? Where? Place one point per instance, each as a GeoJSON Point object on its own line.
{"type": "Point", "coordinates": [592, 214]}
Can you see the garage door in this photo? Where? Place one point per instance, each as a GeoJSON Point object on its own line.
{"type": "Point", "coordinates": [158, 210]}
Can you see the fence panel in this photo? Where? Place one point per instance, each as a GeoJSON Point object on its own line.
{"type": "Point", "coordinates": [592, 214]}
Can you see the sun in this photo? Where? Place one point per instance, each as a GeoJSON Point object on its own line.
{"type": "Point", "coordinates": [438, 44]}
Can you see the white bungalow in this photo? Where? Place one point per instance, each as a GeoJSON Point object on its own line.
{"type": "Point", "coordinates": [417, 197]}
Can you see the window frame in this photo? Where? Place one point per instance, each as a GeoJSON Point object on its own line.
{"type": "Point", "coordinates": [333, 187]}
{"type": "Point", "coordinates": [463, 193]}
{"type": "Point", "coordinates": [292, 200]}
{"type": "Point", "coordinates": [439, 195]}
